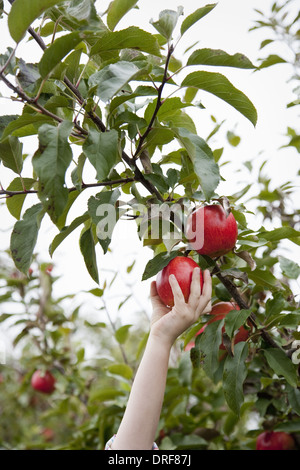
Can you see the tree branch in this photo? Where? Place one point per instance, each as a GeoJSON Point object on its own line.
{"type": "Point", "coordinates": [232, 289]}
{"type": "Point", "coordinates": [158, 104]}
{"type": "Point", "coordinates": [7, 193]}
{"type": "Point", "coordinates": [98, 122]}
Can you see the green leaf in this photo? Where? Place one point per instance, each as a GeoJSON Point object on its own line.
{"type": "Point", "coordinates": [205, 167]}
{"type": "Point", "coordinates": [11, 154]}
{"type": "Point", "coordinates": [104, 213]}
{"type": "Point", "coordinates": [219, 58]}
{"type": "Point", "coordinates": [220, 86]}
{"type": "Point", "coordinates": [209, 342]}
{"type": "Point", "coordinates": [122, 333]}
{"type": "Point", "coordinates": [234, 320]}
{"type": "Point", "coordinates": [59, 238]}
{"type": "Point", "coordinates": [121, 369]}
{"type": "Point", "coordinates": [273, 59]}
{"type": "Point", "coordinates": [275, 305]}
{"type": "Point", "coordinates": [117, 9]}
{"type": "Point", "coordinates": [14, 204]}
{"type": "Point", "coordinates": [50, 165]}
{"type": "Point", "coordinates": [24, 12]}
{"type": "Point", "coordinates": [289, 268]}
{"type": "Point", "coordinates": [87, 248]}
{"type": "Point", "coordinates": [105, 394]}
{"type": "Point", "coordinates": [262, 278]}
{"type": "Point", "coordinates": [129, 38]}
{"type": "Point", "coordinates": [282, 365]}
{"type": "Point", "coordinates": [196, 16]}
{"type": "Point", "coordinates": [157, 263]}
{"type": "Point", "coordinates": [24, 237]}
{"type": "Point", "coordinates": [280, 233]}
{"type": "Point", "coordinates": [55, 53]}
{"type": "Point", "coordinates": [294, 399]}
{"type": "Point", "coordinates": [235, 372]}
{"type": "Point", "coordinates": [5, 121]}
{"type": "Point", "coordinates": [112, 78]}
{"type": "Point", "coordinates": [167, 22]}
{"type": "Point", "coordinates": [102, 150]}
{"type": "Point", "coordinates": [24, 125]}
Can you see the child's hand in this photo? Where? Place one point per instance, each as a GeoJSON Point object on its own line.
{"type": "Point", "coordinates": [168, 323]}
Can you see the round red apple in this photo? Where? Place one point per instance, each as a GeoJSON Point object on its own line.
{"type": "Point", "coordinates": [43, 381]}
{"type": "Point", "coordinates": [275, 440]}
{"type": "Point", "coordinates": [219, 311]}
{"type": "Point", "coordinates": [182, 267]}
{"type": "Point", "coordinates": [211, 231]}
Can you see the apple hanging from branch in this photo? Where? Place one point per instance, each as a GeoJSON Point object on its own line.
{"type": "Point", "coordinates": [211, 230]}
{"type": "Point", "coordinates": [275, 440]}
{"type": "Point", "coordinates": [43, 382]}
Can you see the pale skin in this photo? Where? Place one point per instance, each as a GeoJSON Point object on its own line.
{"type": "Point", "coordinates": [139, 424]}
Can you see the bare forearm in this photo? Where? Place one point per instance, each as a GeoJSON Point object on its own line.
{"type": "Point", "coordinates": [139, 424]}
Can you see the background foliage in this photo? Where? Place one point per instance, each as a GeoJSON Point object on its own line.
{"type": "Point", "coordinates": [109, 109]}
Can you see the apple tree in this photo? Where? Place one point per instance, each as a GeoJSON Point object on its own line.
{"type": "Point", "coordinates": [111, 114]}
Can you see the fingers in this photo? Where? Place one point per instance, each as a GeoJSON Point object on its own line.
{"type": "Point", "coordinates": [154, 297]}
{"type": "Point", "coordinates": [176, 289]}
{"type": "Point", "coordinates": [195, 291]}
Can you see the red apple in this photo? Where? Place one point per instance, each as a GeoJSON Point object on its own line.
{"type": "Point", "coordinates": [219, 311]}
{"type": "Point", "coordinates": [210, 231]}
{"type": "Point", "coordinates": [182, 267]}
{"type": "Point", "coordinates": [275, 440]}
{"type": "Point", "coordinates": [43, 381]}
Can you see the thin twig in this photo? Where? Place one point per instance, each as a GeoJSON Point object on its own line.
{"type": "Point", "coordinates": [232, 289]}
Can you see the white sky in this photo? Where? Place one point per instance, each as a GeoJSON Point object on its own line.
{"type": "Point", "coordinates": [226, 27]}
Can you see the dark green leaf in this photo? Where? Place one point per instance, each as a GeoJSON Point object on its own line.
{"type": "Point", "coordinates": [117, 9]}
{"type": "Point", "coordinates": [55, 53]}
{"type": "Point", "coordinates": [202, 157]}
{"type": "Point", "coordinates": [219, 58]}
{"type": "Point", "coordinates": [66, 231]}
{"type": "Point", "coordinates": [24, 12]}
{"type": "Point", "coordinates": [104, 213]}
{"type": "Point", "coordinates": [280, 233]}
{"type": "Point", "coordinates": [5, 121]}
{"type": "Point", "coordinates": [101, 148]}
{"type": "Point", "coordinates": [282, 365]}
{"type": "Point", "coordinates": [209, 342]}
{"type": "Point", "coordinates": [87, 248]}
{"type": "Point", "coordinates": [50, 165]}
{"type": "Point", "coordinates": [24, 125]}
{"type": "Point", "coordinates": [14, 204]}
{"type": "Point", "coordinates": [157, 263]}
{"type": "Point", "coordinates": [196, 16]}
{"type": "Point", "coordinates": [130, 38]}
{"type": "Point", "coordinates": [24, 237]}
{"type": "Point", "coordinates": [294, 399]}
{"type": "Point", "coordinates": [11, 154]}
{"type": "Point", "coordinates": [220, 86]}
{"type": "Point", "coordinates": [235, 372]}
{"type": "Point", "coordinates": [234, 320]}
{"type": "Point", "coordinates": [275, 305]}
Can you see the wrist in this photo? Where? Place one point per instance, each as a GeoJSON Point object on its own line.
{"type": "Point", "coordinates": [160, 340]}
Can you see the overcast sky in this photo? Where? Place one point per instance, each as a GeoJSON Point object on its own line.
{"type": "Point", "coordinates": [226, 27]}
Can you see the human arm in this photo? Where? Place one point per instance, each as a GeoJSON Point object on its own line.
{"type": "Point", "coordinates": [139, 424]}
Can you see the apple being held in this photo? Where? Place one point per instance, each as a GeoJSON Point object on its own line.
{"type": "Point", "coordinates": [275, 440]}
{"type": "Point", "coordinates": [219, 311]}
{"type": "Point", "coordinates": [182, 267]}
{"type": "Point", "coordinates": [211, 231]}
{"type": "Point", "coordinates": [43, 381]}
